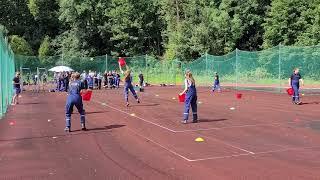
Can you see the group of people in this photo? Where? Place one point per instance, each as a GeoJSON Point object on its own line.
{"type": "Point", "coordinates": [62, 80]}
{"type": "Point", "coordinates": [35, 78]}
{"type": "Point", "coordinates": [78, 86]}
{"type": "Point", "coordinates": [79, 83]}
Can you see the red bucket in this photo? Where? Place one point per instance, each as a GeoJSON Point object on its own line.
{"type": "Point", "coordinates": [239, 95]}
{"type": "Point", "coordinates": [122, 61]}
{"type": "Point", "coordinates": [182, 97]}
{"type": "Point", "coordinates": [290, 91]}
{"type": "Point", "coordinates": [86, 96]}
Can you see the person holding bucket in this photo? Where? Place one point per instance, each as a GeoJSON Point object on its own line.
{"type": "Point", "coordinates": [127, 82]}
{"type": "Point", "coordinates": [74, 99]}
{"type": "Point", "coordinates": [294, 82]}
{"type": "Point", "coordinates": [190, 99]}
{"type": "Point", "coordinates": [128, 86]}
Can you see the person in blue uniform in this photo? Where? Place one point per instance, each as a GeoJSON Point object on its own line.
{"type": "Point", "coordinates": [191, 98]}
{"type": "Point", "coordinates": [128, 86]}
{"type": "Point", "coordinates": [17, 89]}
{"type": "Point", "coordinates": [216, 84]}
{"type": "Point", "coordinates": [294, 82]}
{"type": "Point", "coordinates": [110, 80]}
{"type": "Point", "coordinates": [66, 81]}
{"type": "Point", "coordinates": [99, 79]}
{"type": "Point", "coordinates": [90, 80]}
{"type": "Point", "coordinates": [74, 99]}
{"type": "Point", "coordinates": [118, 78]}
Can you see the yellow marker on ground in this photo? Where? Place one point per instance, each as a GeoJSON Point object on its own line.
{"type": "Point", "coordinates": [132, 114]}
{"type": "Point", "coordinates": [302, 94]}
{"type": "Point", "coordinates": [199, 139]}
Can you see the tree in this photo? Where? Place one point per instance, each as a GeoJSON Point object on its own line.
{"type": "Point", "coordinates": [20, 46]}
{"type": "Point", "coordinates": [287, 20]}
{"type": "Point", "coordinates": [83, 21]}
{"type": "Point", "coordinates": [45, 47]}
{"type": "Point", "coordinates": [135, 26]}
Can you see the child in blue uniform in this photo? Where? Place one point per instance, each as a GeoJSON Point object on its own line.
{"type": "Point", "coordinates": [128, 86]}
{"type": "Point", "coordinates": [191, 98]}
{"type": "Point", "coordinates": [294, 82]}
{"type": "Point", "coordinates": [216, 85]}
{"type": "Point", "coordinates": [74, 99]}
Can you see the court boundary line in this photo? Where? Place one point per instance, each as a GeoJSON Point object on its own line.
{"type": "Point", "coordinates": [193, 130]}
{"type": "Point", "coordinates": [153, 123]}
{"type": "Point", "coordinates": [160, 145]}
{"type": "Point", "coordinates": [239, 126]}
{"type": "Point", "coordinates": [173, 131]}
{"type": "Point", "coordinates": [249, 153]}
{"type": "Point", "coordinates": [227, 144]}
{"type": "Point", "coordinates": [257, 153]}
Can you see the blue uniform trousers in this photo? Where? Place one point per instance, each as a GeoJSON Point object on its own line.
{"type": "Point", "coordinates": [74, 100]}
{"type": "Point", "coordinates": [191, 100]}
{"type": "Point", "coordinates": [295, 87]}
{"type": "Point", "coordinates": [216, 86]}
{"type": "Point", "coordinates": [128, 87]}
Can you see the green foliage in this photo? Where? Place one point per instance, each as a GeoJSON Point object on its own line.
{"type": "Point", "coordinates": [33, 7]}
{"type": "Point", "coordinates": [183, 29]}
{"type": "Point", "coordinates": [291, 22]}
{"type": "Point", "coordinates": [45, 48]}
{"type": "Point", "coordinates": [20, 46]}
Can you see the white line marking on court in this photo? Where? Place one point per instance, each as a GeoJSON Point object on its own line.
{"type": "Point", "coordinates": [257, 153]}
{"type": "Point", "coordinates": [163, 127]}
{"type": "Point", "coordinates": [173, 152]}
{"type": "Point", "coordinates": [240, 126]}
{"type": "Point", "coordinates": [219, 157]}
{"type": "Point", "coordinates": [228, 127]}
{"type": "Point", "coordinates": [220, 141]}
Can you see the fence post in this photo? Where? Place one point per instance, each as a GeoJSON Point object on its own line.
{"type": "Point", "coordinates": [207, 73]}
{"type": "Point", "coordinates": [1, 82]}
{"type": "Point", "coordinates": [279, 60]}
{"type": "Point", "coordinates": [236, 68]}
{"type": "Point", "coordinates": [146, 69]}
{"type": "Point", "coordinates": [107, 62]}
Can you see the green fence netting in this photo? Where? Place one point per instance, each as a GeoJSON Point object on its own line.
{"type": "Point", "coordinates": [266, 70]}
{"type": "Point", "coordinates": [6, 74]}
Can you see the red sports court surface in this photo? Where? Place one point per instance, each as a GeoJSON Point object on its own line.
{"type": "Point", "coordinates": [261, 136]}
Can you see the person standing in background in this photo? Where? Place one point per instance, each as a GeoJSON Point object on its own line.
{"type": "Point", "coordinates": [99, 79]}
{"type": "Point", "coordinates": [141, 79]}
{"type": "Point", "coordinates": [66, 81]}
{"type": "Point", "coordinates": [17, 89]}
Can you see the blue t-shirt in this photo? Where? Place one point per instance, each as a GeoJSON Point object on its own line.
{"type": "Point", "coordinates": [90, 81]}
{"type": "Point", "coordinates": [295, 78]}
{"type": "Point", "coordinates": [128, 80]}
{"type": "Point", "coordinates": [75, 87]}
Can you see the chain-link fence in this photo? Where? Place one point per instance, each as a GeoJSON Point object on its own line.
{"type": "Point", "coordinates": [266, 70]}
{"type": "Point", "coordinates": [6, 74]}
